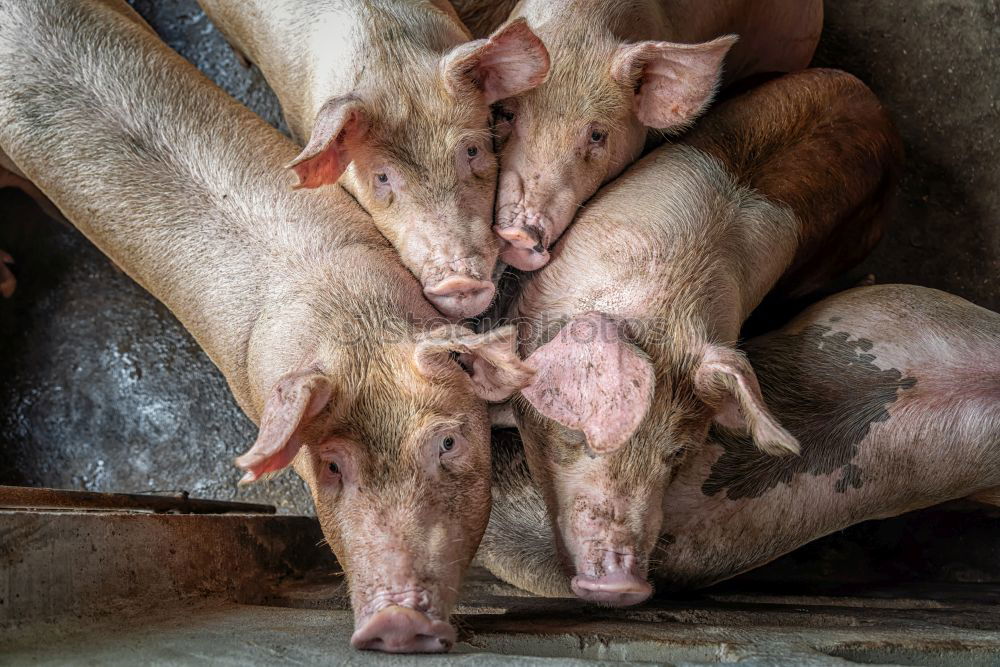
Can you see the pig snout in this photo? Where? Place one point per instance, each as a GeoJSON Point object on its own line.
{"type": "Point", "coordinates": [403, 628]}
{"type": "Point", "coordinates": [605, 538]}
{"type": "Point", "coordinates": [612, 578]}
{"type": "Point", "coordinates": [459, 288]}
{"type": "Point", "coordinates": [525, 235]}
{"type": "Point", "coordinates": [529, 219]}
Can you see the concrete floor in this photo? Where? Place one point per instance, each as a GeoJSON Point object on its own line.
{"type": "Point", "coordinates": [256, 594]}
{"type": "Point", "coordinates": [101, 389]}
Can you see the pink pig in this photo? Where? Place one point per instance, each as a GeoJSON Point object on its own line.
{"type": "Point", "coordinates": [623, 73]}
{"type": "Point", "coordinates": [632, 327]}
{"type": "Point", "coordinates": [393, 99]}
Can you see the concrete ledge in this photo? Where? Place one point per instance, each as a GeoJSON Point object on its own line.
{"type": "Point", "coordinates": [60, 564]}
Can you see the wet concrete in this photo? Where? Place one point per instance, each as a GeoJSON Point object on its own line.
{"type": "Point", "coordinates": [101, 389]}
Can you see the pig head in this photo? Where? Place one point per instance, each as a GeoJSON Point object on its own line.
{"type": "Point", "coordinates": [393, 441]}
{"type": "Point", "coordinates": [605, 426]}
{"type": "Point", "coordinates": [416, 151]}
{"type": "Point", "coordinates": [561, 141]}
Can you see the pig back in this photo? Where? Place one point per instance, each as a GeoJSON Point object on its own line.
{"type": "Point", "coordinates": [775, 35]}
{"type": "Point", "coordinates": [674, 238]}
{"type": "Point", "coordinates": [820, 143]}
{"type": "Point", "coordinates": [179, 184]}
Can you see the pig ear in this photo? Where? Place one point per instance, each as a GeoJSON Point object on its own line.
{"type": "Point", "coordinates": [512, 61]}
{"type": "Point", "coordinates": [591, 378]}
{"type": "Point", "coordinates": [293, 403]}
{"type": "Point", "coordinates": [674, 83]}
{"type": "Point", "coordinates": [340, 125]}
{"type": "Point", "coordinates": [726, 380]}
{"type": "Point", "coordinates": [490, 359]}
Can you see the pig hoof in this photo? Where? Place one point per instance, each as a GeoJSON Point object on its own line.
{"type": "Point", "coordinates": [618, 589]}
{"type": "Point", "coordinates": [8, 282]}
{"type": "Point", "coordinates": [398, 629]}
{"type": "Point", "coordinates": [460, 296]}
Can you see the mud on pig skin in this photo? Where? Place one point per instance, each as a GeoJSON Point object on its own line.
{"type": "Point", "coordinates": [623, 73]}
{"type": "Point", "coordinates": [632, 326]}
{"type": "Point", "coordinates": [324, 338]}
{"type": "Point", "coordinates": [893, 392]}
{"type": "Point", "coordinates": [394, 96]}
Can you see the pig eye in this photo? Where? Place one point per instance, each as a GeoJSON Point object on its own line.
{"type": "Point", "coordinates": [382, 178]}
{"type": "Point", "coordinates": [447, 444]}
{"type": "Point", "coordinates": [333, 468]}
{"type": "Point", "coordinates": [472, 151]}
{"type": "Point", "coordinates": [598, 136]}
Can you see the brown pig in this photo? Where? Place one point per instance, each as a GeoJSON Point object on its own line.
{"type": "Point", "coordinates": [632, 327]}
{"type": "Point", "coordinates": [394, 96]}
{"type": "Point", "coordinates": [621, 70]}
{"type": "Point", "coordinates": [324, 338]}
{"type": "Point", "coordinates": [894, 394]}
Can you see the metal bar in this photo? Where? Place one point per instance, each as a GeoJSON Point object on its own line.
{"type": "Point", "coordinates": [28, 498]}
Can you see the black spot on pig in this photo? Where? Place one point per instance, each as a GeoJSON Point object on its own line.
{"type": "Point", "coordinates": [850, 477]}
{"type": "Point", "coordinates": [826, 390]}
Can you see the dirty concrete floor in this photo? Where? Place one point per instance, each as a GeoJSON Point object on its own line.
{"type": "Point", "coordinates": [255, 593]}
{"type": "Point", "coordinates": [101, 389]}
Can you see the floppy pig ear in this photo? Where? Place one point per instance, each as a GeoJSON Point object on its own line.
{"type": "Point", "coordinates": [294, 401]}
{"type": "Point", "coordinates": [512, 61]}
{"type": "Point", "coordinates": [592, 379]}
{"type": "Point", "coordinates": [726, 380]}
{"type": "Point", "coordinates": [674, 83]}
{"type": "Point", "coordinates": [340, 125]}
{"type": "Point", "coordinates": [490, 359]}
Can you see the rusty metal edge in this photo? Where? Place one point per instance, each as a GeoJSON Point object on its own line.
{"type": "Point", "coordinates": [31, 498]}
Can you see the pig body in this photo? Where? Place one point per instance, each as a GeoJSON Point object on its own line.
{"type": "Point", "coordinates": [620, 70]}
{"type": "Point", "coordinates": [894, 394]}
{"type": "Point", "coordinates": [324, 338]}
{"type": "Point", "coordinates": [394, 96]}
{"type": "Point", "coordinates": [632, 326]}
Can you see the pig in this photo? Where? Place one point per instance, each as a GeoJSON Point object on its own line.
{"type": "Point", "coordinates": [623, 73]}
{"type": "Point", "coordinates": [894, 394]}
{"type": "Point", "coordinates": [393, 96]}
{"type": "Point", "coordinates": [323, 336]}
{"type": "Point", "coordinates": [631, 328]}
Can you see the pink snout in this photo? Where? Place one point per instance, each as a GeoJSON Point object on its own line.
{"type": "Point", "coordinates": [458, 295]}
{"type": "Point", "coordinates": [527, 235]}
{"type": "Point", "coordinates": [396, 629]}
{"type": "Point", "coordinates": [619, 583]}
{"type": "Point", "coordinates": [618, 589]}
{"type": "Point", "coordinates": [523, 248]}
